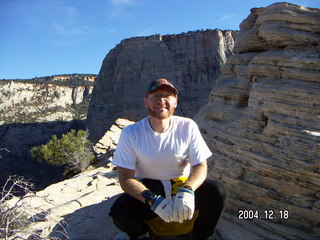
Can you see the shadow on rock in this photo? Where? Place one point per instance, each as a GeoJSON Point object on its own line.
{"type": "Point", "coordinates": [88, 223]}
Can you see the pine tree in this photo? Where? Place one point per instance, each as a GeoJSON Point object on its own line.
{"type": "Point", "coordinates": [72, 151]}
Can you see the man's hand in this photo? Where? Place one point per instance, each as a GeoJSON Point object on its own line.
{"type": "Point", "coordinates": [163, 207]}
{"type": "Point", "coordinates": [183, 206]}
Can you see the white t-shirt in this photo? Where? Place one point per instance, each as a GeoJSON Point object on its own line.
{"type": "Point", "coordinates": [161, 156]}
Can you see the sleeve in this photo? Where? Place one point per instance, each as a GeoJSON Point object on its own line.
{"type": "Point", "coordinates": [198, 149]}
{"type": "Point", "coordinates": [124, 155]}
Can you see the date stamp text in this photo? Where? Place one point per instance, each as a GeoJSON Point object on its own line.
{"type": "Point", "coordinates": [269, 214]}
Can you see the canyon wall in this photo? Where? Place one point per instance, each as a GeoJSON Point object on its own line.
{"type": "Point", "coordinates": [262, 120]}
{"type": "Point", "coordinates": [191, 61]}
{"type": "Point", "coordinates": [56, 98]}
{"type": "Point", "coordinates": [32, 110]}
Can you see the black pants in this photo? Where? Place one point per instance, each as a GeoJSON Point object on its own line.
{"type": "Point", "coordinates": [210, 199]}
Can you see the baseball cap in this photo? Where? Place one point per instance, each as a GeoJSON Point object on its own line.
{"type": "Point", "coordinates": [161, 83]}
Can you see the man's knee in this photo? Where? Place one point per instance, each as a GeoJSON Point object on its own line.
{"type": "Point", "coordinates": [215, 190]}
{"type": "Point", "coordinates": [221, 191]}
{"type": "Point", "coordinates": [119, 206]}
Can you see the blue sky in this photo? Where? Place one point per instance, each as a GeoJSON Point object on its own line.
{"type": "Point", "coordinates": [50, 37]}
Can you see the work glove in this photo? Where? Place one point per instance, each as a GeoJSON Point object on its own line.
{"type": "Point", "coordinates": [183, 205]}
{"type": "Point", "coordinates": [163, 207]}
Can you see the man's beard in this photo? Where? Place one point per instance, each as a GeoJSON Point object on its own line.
{"type": "Point", "coordinates": [162, 115]}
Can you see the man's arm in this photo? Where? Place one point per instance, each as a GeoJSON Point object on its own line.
{"type": "Point", "coordinates": [197, 175]}
{"type": "Point", "coordinates": [129, 184]}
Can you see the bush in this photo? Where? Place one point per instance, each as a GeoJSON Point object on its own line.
{"type": "Point", "coordinates": [11, 220]}
{"type": "Point", "coordinates": [17, 214]}
{"type": "Point", "coordinates": [72, 151]}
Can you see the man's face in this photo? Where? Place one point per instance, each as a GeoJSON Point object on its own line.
{"type": "Point", "coordinates": [161, 103]}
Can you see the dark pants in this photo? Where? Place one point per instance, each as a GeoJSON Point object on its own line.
{"type": "Point", "coordinates": [210, 199]}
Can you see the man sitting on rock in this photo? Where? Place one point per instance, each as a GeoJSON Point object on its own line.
{"type": "Point", "coordinates": [162, 168]}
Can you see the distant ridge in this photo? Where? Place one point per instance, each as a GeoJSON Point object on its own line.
{"type": "Point", "coordinates": [61, 78]}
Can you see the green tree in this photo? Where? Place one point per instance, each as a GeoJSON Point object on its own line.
{"type": "Point", "coordinates": [72, 151]}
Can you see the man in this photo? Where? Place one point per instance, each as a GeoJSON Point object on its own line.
{"type": "Point", "coordinates": [162, 168]}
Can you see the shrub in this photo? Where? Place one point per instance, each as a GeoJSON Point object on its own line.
{"type": "Point", "coordinates": [72, 151]}
{"type": "Point", "coordinates": [11, 220]}
{"type": "Point", "coordinates": [17, 214]}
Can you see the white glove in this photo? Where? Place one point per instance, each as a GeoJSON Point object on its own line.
{"type": "Point", "coordinates": [183, 206]}
{"type": "Point", "coordinates": [163, 207]}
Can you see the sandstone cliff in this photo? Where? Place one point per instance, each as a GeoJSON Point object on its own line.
{"type": "Point", "coordinates": [190, 60]}
{"type": "Point", "coordinates": [56, 98]}
{"type": "Point", "coordinates": [32, 110]}
{"type": "Point", "coordinates": [263, 117]}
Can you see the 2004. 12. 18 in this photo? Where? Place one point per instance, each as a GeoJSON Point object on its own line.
{"type": "Point", "coordinates": [249, 214]}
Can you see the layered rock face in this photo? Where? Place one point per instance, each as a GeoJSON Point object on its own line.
{"type": "Point", "coordinates": [56, 98]}
{"type": "Point", "coordinates": [191, 61]}
{"type": "Point", "coordinates": [263, 118]}
{"type": "Point", "coordinates": [31, 112]}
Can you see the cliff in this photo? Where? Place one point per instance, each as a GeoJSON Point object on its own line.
{"type": "Point", "coordinates": [56, 98]}
{"type": "Point", "coordinates": [32, 110]}
{"type": "Point", "coordinates": [262, 118]}
{"type": "Point", "coordinates": [190, 60]}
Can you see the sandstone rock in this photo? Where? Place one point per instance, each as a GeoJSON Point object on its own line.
{"type": "Point", "coordinates": [76, 208]}
{"type": "Point", "coordinates": [278, 27]}
{"type": "Point", "coordinates": [262, 119]}
{"type": "Point", "coordinates": [106, 146]}
{"type": "Point", "coordinates": [232, 228]}
{"type": "Point", "coordinates": [191, 61]}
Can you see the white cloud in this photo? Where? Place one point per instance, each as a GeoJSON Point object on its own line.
{"type": "Point", "coordinates": [120, 9]}
{"type": "Point", "coordinates": [118, 2]}
{"type": "Point", "coordinates": [70, 14]}
{"type": "Point", "coordinates": [73, 29]}
{"type": "Point", "coordinates": [68, 23]}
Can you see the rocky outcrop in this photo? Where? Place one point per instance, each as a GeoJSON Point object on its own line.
{"type": "Point", "coordinates": [32, 110]}
{"type": "Point", "coordinates": [262, 119]}
{"type": "Point", "coordinates": [191, 61]}
{"type": "Point", "coordinates": [78, 208]}
{"type": "Point", "coordinates": [106, 146]}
